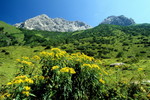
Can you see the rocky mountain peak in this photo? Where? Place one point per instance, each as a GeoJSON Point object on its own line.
{"type": "Point", "coordinates": [43, 22]}
{"type": "Point", "coordinates": [118, 20]}
{"type": "Point", "coordinates": [41, 16]}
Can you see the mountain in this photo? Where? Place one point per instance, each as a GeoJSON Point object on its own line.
{"type": "Point", "coordinates": [118, 20]}
{"type": "Point", "coordinates": [43, 22]}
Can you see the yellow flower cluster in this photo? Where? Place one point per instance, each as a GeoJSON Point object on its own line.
{"type": "Point", "coordinates": [36, 57]}
{"type": "Point", "coordinates": [55, 53]}
{"type": "Point", "coordinates": [88, 65]}
{"type": "Point", "coordinates": [18, 60]}
{"type": "Point", "coordinates": [67, 69]}
{"type": "Point", "coordinates": [91, 66]}
{"type": "Point", "coordinates": [25, 58]}
{"type": "Point", "coordinates": [81, 57]}
{"type": "Point", "coordinates": [102, 81]}
{"type": "Point", "coordinates": [55, 67]}
{"type": "Point", "coordinates": [27, 63]}
{"type": "Point", "coordinates": [21, 79]}
{"type": "Point", "coordinates": [56, 50]}
{"type": "Point", "coordinates": [140, 69]}
{"type": "Point", "coordinates": [43, 53]}
{"type": "Point", "coordinates": [26, 93]}
{"type": "Point", "coordinates": [2, 97]}
{"type": "Point", "coordinates": [27, 88]}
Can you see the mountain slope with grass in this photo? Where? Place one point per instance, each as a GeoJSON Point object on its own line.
{"type": "Point", "coordinates": [104, 41]}
{"type": "Point", "coordinates": [112, 41]}
{"type": "Point", "coordinates": [9, 28]}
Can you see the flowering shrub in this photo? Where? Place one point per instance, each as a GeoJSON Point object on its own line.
{"type": "Point", "coordinates": [58, 75]}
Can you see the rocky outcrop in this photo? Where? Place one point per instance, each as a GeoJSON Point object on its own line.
{"type": "Point", "coordinates": [43, 22]}
{"type": "Point", "coordinates": [116, 64]}
{"type": "Point", "coordinates": [118, 20]}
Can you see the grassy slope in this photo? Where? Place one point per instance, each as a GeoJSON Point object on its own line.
{"type": "Point", "coordinates": [8, 64]}
{"type": "Point", "coordinates": [9, 28]}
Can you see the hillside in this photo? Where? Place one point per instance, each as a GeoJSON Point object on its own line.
{"type": "Point", "coordinates": [112, 41]}
{"type": "Point", "coordinates": [9, 28]}
{"type": "Point", "coordinates": [103, 41]}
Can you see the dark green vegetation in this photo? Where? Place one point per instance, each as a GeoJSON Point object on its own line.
{"type": "Point", "coordinates": [109, 43]}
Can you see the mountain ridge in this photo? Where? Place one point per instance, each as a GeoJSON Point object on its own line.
{"type": "Point", "coordinates": [118, 20]}
{"type": "Point", "coordinates": [43, 22]}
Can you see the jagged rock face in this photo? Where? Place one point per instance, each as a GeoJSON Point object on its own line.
{"type": "Point", "coordinates": [118, 20]}
{"type": "Point", "coordinates": [43, 22]}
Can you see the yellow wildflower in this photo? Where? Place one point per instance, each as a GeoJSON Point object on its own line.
{"type": "Point", "coordinates": [18, 81]}
{"type": "Point", "coordinates": [91, 66]}
{"type": "Point", "coordinates": [27, 88]}
{"type": "Point", "coordinates": [95, 66]}
{"type": "Point", "coordinates": [88, 65]}
{"type": "Point", "coordinates": [29, 80]}
{"type": "Point", "coordinates": [51, 54]}
{"type": "Point", "coordinates": [72, 71]}
{"type": "Point", "coordinates": [140, 69]}
{"type": "Point", "coordinates": [102, 81]}
{"type": "Point", "coordinates": [2, 97]}
{"type": "Point", "coordinates": [36, 57]}
{"type": "Point", "coordinates": [44, 53]}
{"type": "Point", "coordinates": [27, 63]}
{"type": "Point", "coordinates": [9, 83]}
{"type": "Point", "coordinates": [26, 93]}
{"type": "Point", "coordinates": [55, 67]}
{"type": "Point", "coordinates": [63, 52]}
{"type": "Point", "coordinates": [25, 57]}
{"type": "Point", "coordinates": [67, 69]}
{"type": "Point", "coordinates": [18, 60]}
{"type": "Point", "coordinates": [56, 50]}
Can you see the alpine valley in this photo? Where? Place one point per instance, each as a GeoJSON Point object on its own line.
{"type": "Point", "coordinates": [116, 40]}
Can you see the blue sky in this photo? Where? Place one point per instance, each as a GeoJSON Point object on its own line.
{"type": "Point", "coordinates": [91, 12]}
